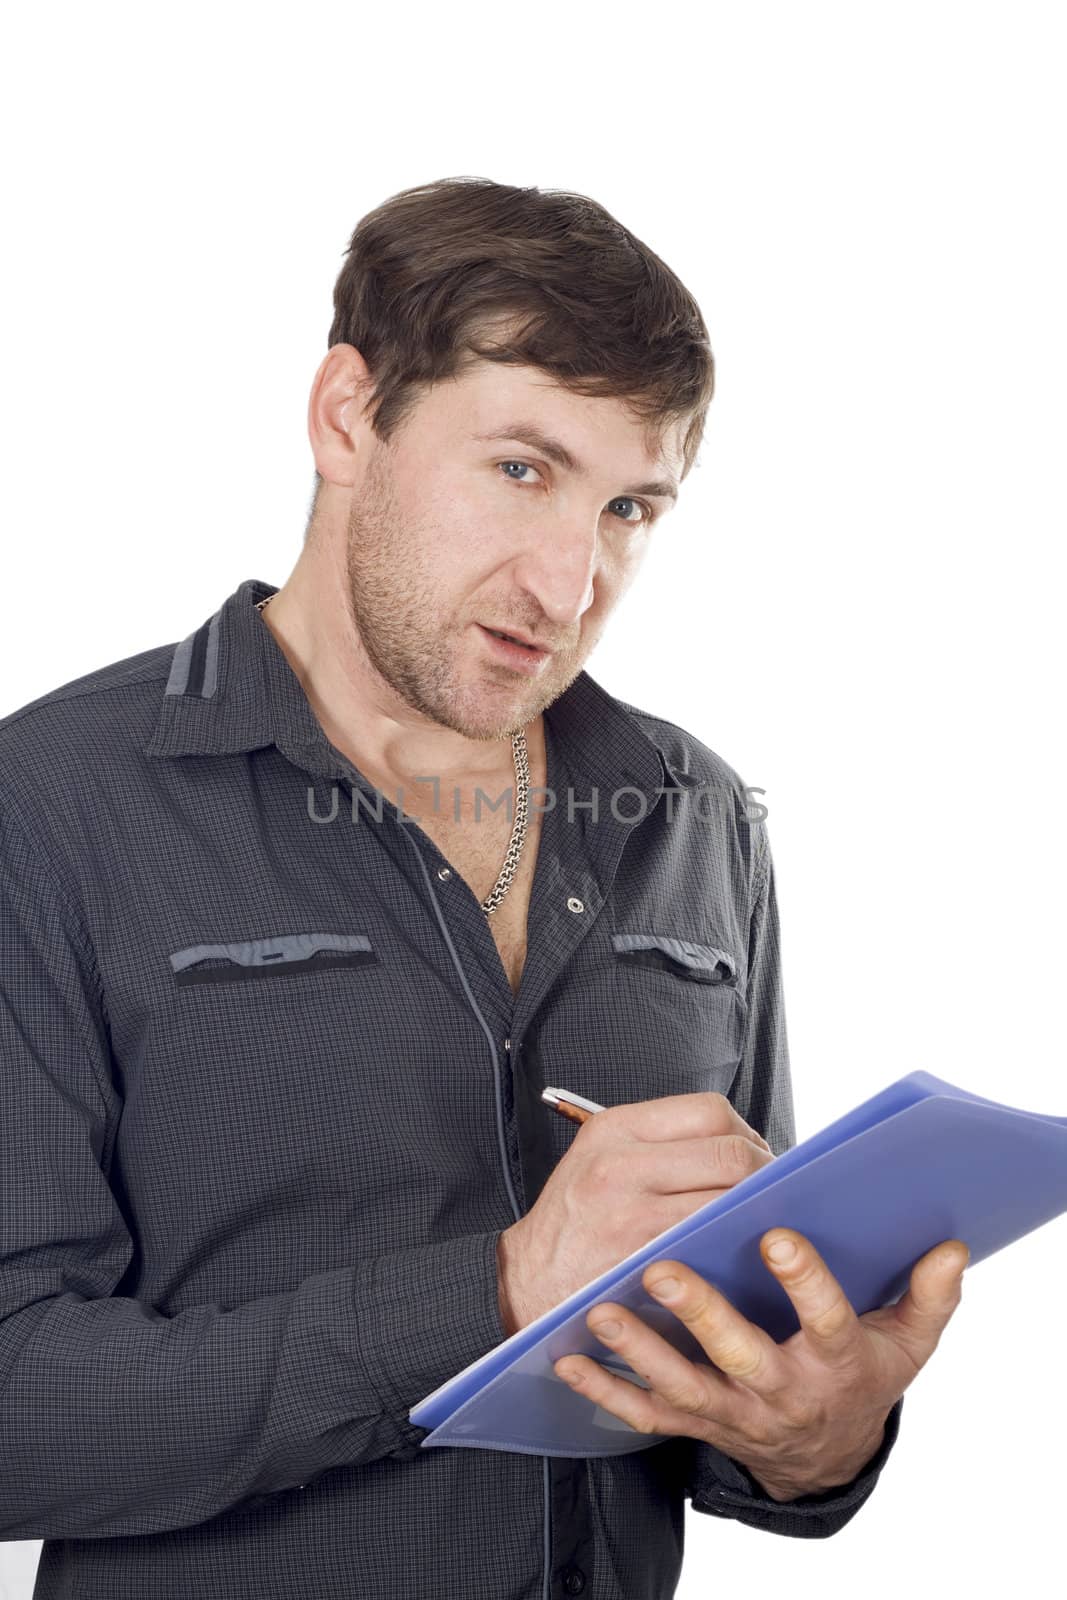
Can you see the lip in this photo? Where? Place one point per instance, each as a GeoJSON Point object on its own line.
{"type": "Point", "coordinates": [521, 657]}
{"type": "Point", "coordinates": [523, 638]}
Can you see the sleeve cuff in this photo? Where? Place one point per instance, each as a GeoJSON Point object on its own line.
{"type": "Point", "coordinates": [720, 1486]}
{"type": "Point", "coordinates": [427, 1312]}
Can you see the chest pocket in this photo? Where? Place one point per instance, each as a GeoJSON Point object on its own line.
{"type": "Point", "coordinates": [679, 1014]}
{"type": "Point", "coordinates": [283, 955]}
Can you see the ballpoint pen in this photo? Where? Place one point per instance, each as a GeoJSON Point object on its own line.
{"type": "Point", "coordinates": [574, 1106]}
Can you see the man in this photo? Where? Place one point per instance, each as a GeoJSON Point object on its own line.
{"type": "Point", "coordinates": [275, 1156]}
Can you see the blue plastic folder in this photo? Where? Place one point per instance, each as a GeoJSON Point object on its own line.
{"type": "Point", "coordinates": [920, 1162]}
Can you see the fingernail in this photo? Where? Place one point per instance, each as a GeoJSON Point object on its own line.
{"type": "Point", "coordinates": [666, 1288]}
{"type": "Point", "coordinates": [607, 1330]}
{"type": "Point", "coordinates": [781, 1251]}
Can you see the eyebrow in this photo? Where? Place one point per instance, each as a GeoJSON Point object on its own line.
{"type": "Point", "coordinates": [528, 433]}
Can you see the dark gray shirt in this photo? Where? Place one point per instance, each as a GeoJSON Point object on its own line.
{"type": "Point", "coordinates": [268, 1102]}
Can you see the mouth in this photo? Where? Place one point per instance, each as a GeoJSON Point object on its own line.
{"type": "Point", "coordinates": [514, 649]}
{"type": "Point", "coordinates": [517, 638]}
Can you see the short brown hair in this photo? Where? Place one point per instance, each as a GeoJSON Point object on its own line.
{"type": "Point", "coordinates": [433, 269]}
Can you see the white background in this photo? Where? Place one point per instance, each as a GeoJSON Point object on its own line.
{"type": "Point", "coordinates": [857, 602]}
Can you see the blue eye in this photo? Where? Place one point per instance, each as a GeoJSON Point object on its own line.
{"type": "Point", "coordinates": [620, 500]}
{"type": "Point", "coordinates": [525, 465]}
{"type": "Point", "coordinates": [626, 501]}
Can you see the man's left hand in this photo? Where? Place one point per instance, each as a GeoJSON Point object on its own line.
{"type": "Point", "coordinates": [803, 1416]}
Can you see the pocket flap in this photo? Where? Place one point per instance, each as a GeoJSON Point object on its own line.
{"type": "Point", "coordinates": [707, 962]}
{"type": "Point", "coordinates": [282, 950]}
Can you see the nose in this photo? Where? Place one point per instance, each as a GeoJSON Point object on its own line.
{"type": "Point", "coordinates": [558, 568]}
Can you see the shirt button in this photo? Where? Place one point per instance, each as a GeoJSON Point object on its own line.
{"type": "Point", "coordinates": [444, 873]}
{"type": "Point", "coordinates": [574, 904]}
{"type": "Point", "coordinates": [573, 1580]}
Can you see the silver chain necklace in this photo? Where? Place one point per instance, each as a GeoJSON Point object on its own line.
{"type": "Point", "coordinates": [518, 829]}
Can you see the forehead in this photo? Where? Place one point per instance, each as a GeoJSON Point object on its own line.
{"type": "Point", "coordinates": [487, 395]}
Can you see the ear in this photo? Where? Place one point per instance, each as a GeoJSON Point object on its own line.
{"type": "Point", "coordinates": [337, 426]}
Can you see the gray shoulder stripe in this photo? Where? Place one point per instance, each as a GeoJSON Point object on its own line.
{"type": "Point", "coordinates": [179, 666]}
{"type": "Point", "coordinates": [211, 660]}
{"type": "Point", "coordinates": [195, 663]}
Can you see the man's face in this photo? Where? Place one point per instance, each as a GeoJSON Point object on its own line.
{"type": "Point", "coordinates": [450, 534]}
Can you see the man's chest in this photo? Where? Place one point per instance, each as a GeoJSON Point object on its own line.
{"type": "Point", "coordinates": [478, 854]}
{"type": "Point", "coordinates": [307, 1016]}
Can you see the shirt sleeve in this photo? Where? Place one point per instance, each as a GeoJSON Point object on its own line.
{"type": "Point", "coordinates": [116, 1418]}
{"type": "Point", "coordinates": [762, 1094]}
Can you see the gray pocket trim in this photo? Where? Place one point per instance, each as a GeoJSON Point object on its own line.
{"type": "Point", "coordinates": [702, 957]}
{"type": "Point", "coordinates": [276, 951]}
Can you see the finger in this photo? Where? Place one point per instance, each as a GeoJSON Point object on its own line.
{"type": "Point", "coordinates": [826, 1315]}
{"type": "Point", "coordinates": [679, 1382]}
{"type": "Point", "coordinates": [643, 1409]}
{"type": "Point", "coordinates": [695, 1164]}
{"type": "Point", "coordinates": [740, 1349]}
{"type": "Point", "coordinates": [935, 1290]}
{"type": "Point", "coordinates": [700, 1115]}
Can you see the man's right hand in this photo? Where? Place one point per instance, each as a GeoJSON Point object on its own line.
{"type": "Point", "coordinates": [631, 1172]}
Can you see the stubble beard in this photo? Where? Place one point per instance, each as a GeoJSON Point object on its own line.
{"type": "Point", "coordinates": [394, 610]}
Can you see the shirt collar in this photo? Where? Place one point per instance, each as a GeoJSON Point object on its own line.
{"type": "Point", "coordinates": [230, 689]}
